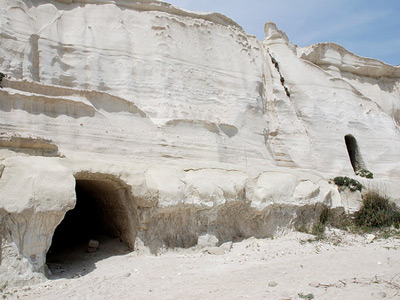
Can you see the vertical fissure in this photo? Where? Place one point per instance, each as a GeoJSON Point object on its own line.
{"type": "Point", "coordinates": [354, 153]}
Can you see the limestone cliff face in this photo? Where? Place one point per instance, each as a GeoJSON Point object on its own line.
{"type": "Point", "coordinates": [342, 94]}
{"type": "Point", "coordinates": [135, 73]}
{"type": "Point", "coordinates": [177, 124]}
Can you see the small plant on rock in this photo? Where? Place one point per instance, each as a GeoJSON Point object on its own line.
{"type": "Point", "coordinates": [352, 184]}
{"type": "Point", "coordinates": [365, 173]}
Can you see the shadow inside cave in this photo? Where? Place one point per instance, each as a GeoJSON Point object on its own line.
{"type": "Point", "coordinates": [101, 213]}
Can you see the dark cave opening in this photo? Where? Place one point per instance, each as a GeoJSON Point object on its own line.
{"type": "Point", "coordinates": [353, 151]}
{"type": "Point", "coordinates": [103, 212]}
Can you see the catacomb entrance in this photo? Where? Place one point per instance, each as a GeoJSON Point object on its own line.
{"type": "Point", "coordinates": [354, 152]}
{"type": "Point", "coordinates": [104, 208]}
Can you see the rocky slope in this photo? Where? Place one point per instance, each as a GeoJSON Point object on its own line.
{"type": "Point", "coordinates": [174, 124]}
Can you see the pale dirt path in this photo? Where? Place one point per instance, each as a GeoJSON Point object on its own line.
{"type": "Point", "coordinates": [351, 269]}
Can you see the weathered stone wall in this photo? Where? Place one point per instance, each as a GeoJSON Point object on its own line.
{"type": "Point", "coordinates": [177, 124]}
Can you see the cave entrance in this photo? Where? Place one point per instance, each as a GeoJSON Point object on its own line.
{"type": "Point", "coordinates": [354, 152]}
{"type": "Point", "coordinates": [104, 212]}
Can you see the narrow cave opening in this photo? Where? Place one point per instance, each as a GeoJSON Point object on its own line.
{"type": "Point", "coordinates": [354, 152]}
{"type": "Point", "coordinates": [103, 212]}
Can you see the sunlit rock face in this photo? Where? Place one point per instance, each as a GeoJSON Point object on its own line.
{"type": "Point", "coordinates": [336, 93]}
{"type": "Point", "coordinates": [173, 124]}
{"type": "Point", "coordinates": [140, 74]}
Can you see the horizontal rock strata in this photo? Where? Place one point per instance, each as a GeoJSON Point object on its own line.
{"type": "Point", "coordinates": [160, 125]}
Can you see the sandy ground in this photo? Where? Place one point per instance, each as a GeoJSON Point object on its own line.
{"type": "Point", "coordinates": [344, 266]}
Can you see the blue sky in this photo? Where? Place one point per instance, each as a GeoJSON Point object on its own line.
{"type": "Point", "coordinates": [364, 27]}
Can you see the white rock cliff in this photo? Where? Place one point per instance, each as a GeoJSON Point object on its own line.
{"type": "Point", "coordinates": [177, 124]}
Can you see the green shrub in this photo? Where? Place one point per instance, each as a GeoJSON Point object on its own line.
{"type": "Point", "coordinates": [352, 184]}
{"type": "Point", "coordinates": [365, 173]}
{"type": "Point", "coordinates": [306, 297]}
{"type": "Point", "coordinates": [323, 217]}
{"type": "Point", "coordinates": [377, 212]}
{"type": "Point", "coordinates": [339, 180]}
{"type": "Point", "coordinates": [318, 230]}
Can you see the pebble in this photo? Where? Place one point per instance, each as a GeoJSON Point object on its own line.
{"type": "Point", "coordinates": [93, 244]}
{"type": "Point", "coordinates": [216, 251]}
{"type": "Point", "coordinates": [272, 283]}
{"type": "Point", "coordinates": [91, 250]}
{"type": "Point", "coordinates": [370, 238]}
{"type": "Point", "coordinates": [226, 246]}
{"type": "Point", "coordinates": [382, 294]}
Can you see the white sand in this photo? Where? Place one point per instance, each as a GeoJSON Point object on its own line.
{"type": "Point", "coordinates": [345, 266]}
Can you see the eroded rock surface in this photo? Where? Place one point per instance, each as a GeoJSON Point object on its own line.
{"type": "Point", "coordinates": [170, 125]}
